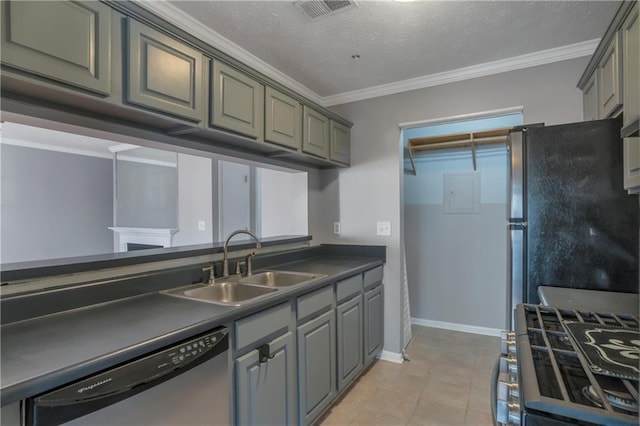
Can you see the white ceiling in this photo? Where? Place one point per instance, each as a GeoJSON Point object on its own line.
{"type": "Point", "coordinates": [396, 41]}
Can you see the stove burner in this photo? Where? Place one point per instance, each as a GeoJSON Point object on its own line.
{"type": "Point", "coordinates": [618, 399]}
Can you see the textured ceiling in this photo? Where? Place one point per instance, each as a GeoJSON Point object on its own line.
{"type": "Point", "coordinates": [397, 41]}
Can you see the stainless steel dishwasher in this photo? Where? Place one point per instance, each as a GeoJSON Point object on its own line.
{"type": "Point", "coordinates": [184, 384]}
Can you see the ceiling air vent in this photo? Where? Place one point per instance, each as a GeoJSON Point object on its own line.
{"type": "Point", "coordinates": [316, 9]}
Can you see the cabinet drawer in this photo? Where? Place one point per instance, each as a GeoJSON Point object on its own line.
{"type": "Point", "coordinates": [260, 325]}
{"type": "Point", "coordinates": [315, 302]}
{"type": "Point", "coordinates": [373, 276]}
{"type": "Point", "coordinates": [348, 287]}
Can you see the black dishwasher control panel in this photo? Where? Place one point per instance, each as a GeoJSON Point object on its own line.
{"type": "Point", "coordinates": [191, 350]}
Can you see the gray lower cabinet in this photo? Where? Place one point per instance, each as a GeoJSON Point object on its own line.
{"type": "Point", "coordinates": [283, 119]}
{"type": "Point", "coordinates": [373, 327]}
{"type": "Point", "coordinates": [237, 101]}
{"type": "Point", "coordinates": [266, 388]}
{"type": "Point", "coordinates": [316, 365]}
{"type": "Point", "coordinates": [66, 41]}
{"type": "Point", "coordinates": [315, 132]}
{"type": "Point", "coordinates": [340, 147]}
{"type": "Point", "coordinates": [164, 74]}
{"type": "Point", "coordinates": [349, 324]}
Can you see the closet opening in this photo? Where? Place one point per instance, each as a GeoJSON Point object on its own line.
{"type": "Point", "coordinates": [454, 213]}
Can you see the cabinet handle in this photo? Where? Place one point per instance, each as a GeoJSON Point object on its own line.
{"type": "Point", "coordinates": [264, 353]}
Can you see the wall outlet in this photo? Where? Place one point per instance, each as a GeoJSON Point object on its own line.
{"type": "Point", "coordinates": [201, 225]}
{"type": "Point", "coordinates": [336, 228]}
{"type": "Point", "coordinates": [384, 229]}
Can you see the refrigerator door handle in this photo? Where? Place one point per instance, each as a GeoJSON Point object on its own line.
{"type": "Point", "coordinates": [516, 272]}
{"type": "Point", "coordinates": [516, 185]}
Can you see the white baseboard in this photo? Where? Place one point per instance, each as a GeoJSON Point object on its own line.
{"type": "Point", "coordinates": [457, 327]}
{"type": "Point", "coordinates": [391, 357]}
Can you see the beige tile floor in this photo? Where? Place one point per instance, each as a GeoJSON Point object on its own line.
{"type": "Point", "coordinates": [446, 382]}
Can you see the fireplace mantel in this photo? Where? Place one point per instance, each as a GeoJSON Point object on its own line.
{"type": "Point", "coordinates": [153, 236]}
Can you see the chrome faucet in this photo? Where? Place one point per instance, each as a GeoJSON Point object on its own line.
{"type": "Point", "coordinates": [225, 261]}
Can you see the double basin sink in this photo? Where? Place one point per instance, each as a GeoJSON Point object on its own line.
{"type": "Point", "coordinates": [236, 290]}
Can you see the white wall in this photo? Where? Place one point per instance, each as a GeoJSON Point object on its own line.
{"type": "Point", "coordinates": [371, 189]}
{"type": "Point", "coordinates": [282, 206]}
{"type": "Point", "coordinates": [456, 263]}
{"type": "Point", "coordinates": [53, 204]}
{"type": "Point", "coordinates": [194, 200]}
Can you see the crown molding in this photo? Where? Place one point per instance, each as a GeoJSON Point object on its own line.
{"type": "Point", "coordinates": [563, 53]}
{"type": "Point", "coordinates": [186, 22]}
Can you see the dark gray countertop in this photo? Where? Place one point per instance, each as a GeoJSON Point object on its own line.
{"type": "Point", "coordinates": [589, 300]}
{"type": "Point", "coordinates": [42, 353]}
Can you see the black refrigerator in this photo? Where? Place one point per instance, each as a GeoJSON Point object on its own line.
{"type": "Point", "coordinates": [570, 222]}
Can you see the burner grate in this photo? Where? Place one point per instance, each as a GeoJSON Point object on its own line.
{"type": "Point", "coordinates": [546, 352]}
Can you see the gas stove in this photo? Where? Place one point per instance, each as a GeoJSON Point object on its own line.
{"type": "Point", "coordinates": [563, 366]}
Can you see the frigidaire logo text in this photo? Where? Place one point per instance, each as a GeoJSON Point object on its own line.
{"type": "Point", "coordinates": [94, 385]}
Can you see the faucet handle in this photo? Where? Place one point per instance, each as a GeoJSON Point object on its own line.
{"type": "Point", "coordinates": [212, 273]}
{"type": "Point", "coordinates": [248, 262]}
{"type": "Point", "coordinates": [238, 265]}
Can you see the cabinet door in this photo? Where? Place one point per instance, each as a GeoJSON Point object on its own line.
{"type": "Point", "coordinates": [315, 132]}
{"type": "Point", "coordinates": [238, 101]}
{"type": "Point", "coordinates": [590, 99]}
{"type": "Point", "coordinates": [610, 80]}
{"type": "Point", "coordinates": [631, 67]}
{"type": "Point", "coordinates": [283, 119]}
{"type": "Point", "coordinates": [631, 165]}
{"type": "Point", "coordinates": [340, 143]}
{"type": "Point", "coordinates": [67, 41]}
{"type": "Point", "coordinates": [373, 312]}
{"type": "Point", "coordinates": [164, 74]}
{"type": "Point", "coordinates": [316, 365]}
{"type": "Point", "coordinates": [349, 340]}
{"type": "Point", "coordinates": [265, 391]}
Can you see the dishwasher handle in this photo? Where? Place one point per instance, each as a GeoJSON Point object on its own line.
{"type": "Point", "coordinates": [131, 378]}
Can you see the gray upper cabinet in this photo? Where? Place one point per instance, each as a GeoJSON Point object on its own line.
{"type": "Point", "coordinates": [590, 99]}
{"type": "Point", "coordinates": [316, 365]}
{"type": "Point", "coordinates": [373, 327]}
{"type": "Point", "coordinates": [315, 132]}
{"type": "Point", "coordinates": [66, 41]}
{"type": "Point", "coordinates": [631, 66]}
{"type": "Point", "coordinates": [164, 74]}
{"type": "Point", "coordinates": [237, 101]}
{"type": "Point", "coordinates": [349, 324]}
{"type": "Point", "coordinates": [340, 143]}
{"type": "Point", "coordinates": [283, 119]}
{"type": "Point", "coordinates": [610, 80]}
{"type": "Point", "coordinates": [266, 388]}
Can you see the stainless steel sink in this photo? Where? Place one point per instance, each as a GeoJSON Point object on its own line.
{"type": "Point", "coordinates": [280, 278]}
{"type": "Point", "coordinates": [231, 293]}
